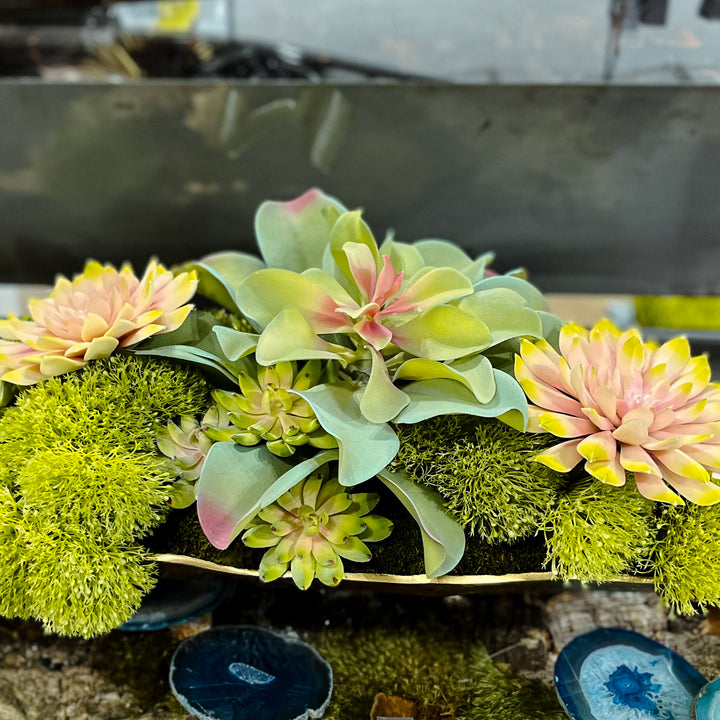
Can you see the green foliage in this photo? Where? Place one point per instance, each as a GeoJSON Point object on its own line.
{"type": "Point", "coordinates": [116, 496]}
{"type": "Point", "coordinates": [687, 557]}
{"type": "Point", "coordinates": [82, 585]}
{"type": "Point", "coordinates": [80, 482]}
{"type": "Point", "coordinates": [444, 677]}
{"type": "Point", "coordinates": [484, 471]}
{"type": "Point", "coordinates": [597, 531]}
{"type": "Point", "coordinates": [231, 320]}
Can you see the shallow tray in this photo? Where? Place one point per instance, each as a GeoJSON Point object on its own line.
{"type": "Point", "coordinates": [446, 585]}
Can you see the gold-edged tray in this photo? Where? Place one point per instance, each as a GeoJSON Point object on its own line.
{"type": "Point", "coordinates": [446, 585]}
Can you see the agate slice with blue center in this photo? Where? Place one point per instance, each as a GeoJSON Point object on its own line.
{"type": "Point", "coordinates": [707, 703]}
{"type": "Point", "coordinates": [613, 674]}
{"type": "Point", "coordinates": [247, 673]}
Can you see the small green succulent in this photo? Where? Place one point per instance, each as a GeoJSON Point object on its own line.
{"type": "Point", "coordinates": [266, 409]}
{"type": "Point", "coordinates": [312, 527]}
{"type": "Point", "coordinates": [186, 445]}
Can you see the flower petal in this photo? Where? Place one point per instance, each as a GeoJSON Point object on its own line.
{"type": "Point", "coordinates": [653, 488]}
{"type": "Point", "coordinates": [635, 459]}
{"type": "Point", "coordinates": [599, 446]}
{"type": "Point", "coordinates": [608, 471]}
{"type": "Point", "coordinates": [701, 493]}
{"type": "Point", "coordinates": [565, 425]}
{"type": "Point", "coordinates": [678, 462]}
{"type": "Point", "coordinates": [562, 457]}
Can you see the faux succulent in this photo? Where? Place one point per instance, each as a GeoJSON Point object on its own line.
{"type": "Point", "coordinates": [87, 319]}
{"type": "Point", "coordinates": [626, 406]}
{"type": "Point", "coordinates": [312, 527]}
{"type": "Point", "coordinates": [268, 410]}
{"type": "Point", "coordinates": [186, 446]}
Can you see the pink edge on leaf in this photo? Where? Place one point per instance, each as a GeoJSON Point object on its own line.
{"type": "Point", "coordinates": [297, 205]}
{"type": "Point", "coordinates": [216, 523]}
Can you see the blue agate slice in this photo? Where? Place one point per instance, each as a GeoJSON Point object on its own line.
{"type": "Point", "coordinates": [247, 673]}
{"type": "Point", "coordinates": [174, 600]}
{"type": "Point", "coordinates": [614, 674]}
{"type": "Point", "coordinates": [707, 703]}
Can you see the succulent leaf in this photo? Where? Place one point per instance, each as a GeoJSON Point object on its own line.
{"type": "Point", "coordinates": [267, 408]}
{"type": "Point", "coordinates": [312, 526]}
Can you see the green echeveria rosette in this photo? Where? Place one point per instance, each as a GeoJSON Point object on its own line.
{"type": "Point", "coordinates": [311, 528]}
{"type": "Point", "coordinates": [267, 409]}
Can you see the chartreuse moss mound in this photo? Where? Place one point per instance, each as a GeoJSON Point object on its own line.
{"type": "Point", "coordinates": [484, 471]}
{"type": "Point", "coordinates": [596, 531]}
{"type": "Point", "coordinates": [444, 677]}
{"type": "Point", "coordinates": [686, 561]}
{"type": "Point", "coordinates": [81, 482]}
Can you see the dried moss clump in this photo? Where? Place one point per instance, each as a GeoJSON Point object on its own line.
{"type": "Point", "coordinates": [597, 531]}
{"type": "Point", "coordinates": [444, 677]}
{"type": "Point", "coordinates": [687, 558]}
{"type": "Point", "coordinates": [484, 471]}
{"type": "Point", "coordinates": [81, 482]}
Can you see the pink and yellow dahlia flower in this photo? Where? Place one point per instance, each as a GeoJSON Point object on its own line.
{"type": "Point", "coordinates": [87, 319]}
{"type": "Point", "coordinates": [626, 406]}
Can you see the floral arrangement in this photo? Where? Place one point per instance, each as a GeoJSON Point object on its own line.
{"type": "Point", "coordinates": [331, 377]}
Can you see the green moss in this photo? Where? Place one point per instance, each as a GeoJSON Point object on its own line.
{"type": "Point", "coordinates": [118, 496]}
{"type": "Point", "coordinates": [13, 589]}
{"type": "Point", "coordinates": [687, 557]}
{"type": "Point", "coordinates": [484, 471]}
{"type": "Point", "coordinates": [445, 677]}
{"type": "Point", "coordinates": [597, 531]}
{"type": "Point", "coordinates": [79, 585]}
{"type": "Point", "coordinates": [80, 483]}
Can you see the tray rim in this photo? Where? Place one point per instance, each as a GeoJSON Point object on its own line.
{"type": "Point", "coordinates": [401, 580]}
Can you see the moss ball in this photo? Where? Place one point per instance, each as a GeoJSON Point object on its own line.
{"type": "Point", "coordinates": [485, 472]}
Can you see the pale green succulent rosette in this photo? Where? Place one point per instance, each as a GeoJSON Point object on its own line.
{"type": "Point", "coordinates": [267, 408]}
{"type": "Point", "coordinates": [403, 332]}
{"type": "Point", "coordinates": [312, 527]}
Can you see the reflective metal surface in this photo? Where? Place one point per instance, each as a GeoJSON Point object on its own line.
{"type": "Point", "coordinates": [594, 189]}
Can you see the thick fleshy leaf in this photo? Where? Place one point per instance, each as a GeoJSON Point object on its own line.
{"type": "Point", "coordinates": [290, 337]}
{"type": "Point", "coordinates": [235, 344]}
{"type": "Point", "coordinates": [505, 313]}
{"type": "Point", "coordinates": [442, 333]}
{"type": "Point", "coordinates": [474, 371]}
{"type": "Point", "coordinates": [533, 297]}
{"type": "Point", "coordinates": [429, 288]}
{"type": "Point", "coordinates": [365, 447]}
{"type": "Point", "coordinates": [214, 286]}
{"type": "Point", "coordinates": [380, 400]}
{"type": "Point", "coordinates": [405, 258]}
{"type": "Point", "coordinates": [232, 481]}
{"type": "Point", "coordinates": [195, 341]}
{"type": "Point", "coordinates": [443, 539]}
{"type": "Point", "coordinates": [293, 235]}
{"type": "Point", "coordinates": [231, 267]}
{"type": "Point", "coordinates": [351, 228]}
{"type": "Point", "coordinates": [429, 398]}
{"type": "Point", "coordinates": [264, 294]}
{"type": "Point", "coordinates": [185, 353]}
{"type": "Point", "coordinates": [236, 482]}
{"type": "Point", "coordinates": [441, 253]}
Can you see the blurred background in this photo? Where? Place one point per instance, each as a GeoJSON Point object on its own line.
{"type": "Point", "coordinates": [580, 140]}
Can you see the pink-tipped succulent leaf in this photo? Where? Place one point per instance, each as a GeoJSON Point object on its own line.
{"type": "Point", "coordinates": [626, 406]}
